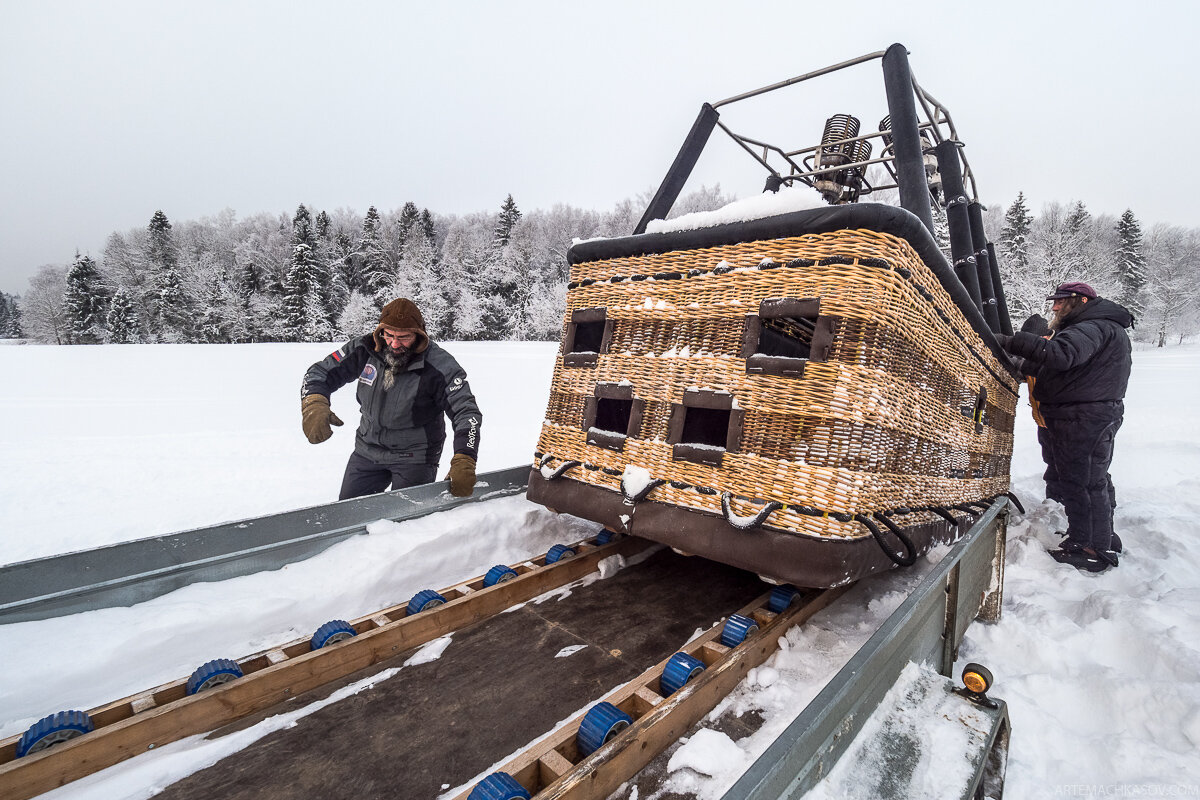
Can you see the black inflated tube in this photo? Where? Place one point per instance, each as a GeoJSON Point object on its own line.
{"type": "Point", "coordinates": [987, 293]}
{"type": "Point", "coordinates": [681, 168]}
{"type": "Point", "coordinates": [906, 138]}
{"type": "Point", "coordinates": [959, 222]}
{"type": "Point", "coordinates": [1001, 299]}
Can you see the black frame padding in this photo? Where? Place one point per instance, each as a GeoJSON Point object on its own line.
{"type": "Point", "coordinates": [871, 216]}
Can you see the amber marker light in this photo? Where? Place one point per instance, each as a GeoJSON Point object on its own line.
{"type": "Point", "coordinates": [977, 679]}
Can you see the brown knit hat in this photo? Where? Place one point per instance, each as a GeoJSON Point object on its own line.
{"type": "Point", "coordinates": [402, 314]}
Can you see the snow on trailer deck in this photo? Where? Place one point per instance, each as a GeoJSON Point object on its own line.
{"type": "Point", "coordinates": [1101, 673]}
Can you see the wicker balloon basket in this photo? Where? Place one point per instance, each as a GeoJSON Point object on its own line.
{"type": "Point", "coordinates": [813, 407]}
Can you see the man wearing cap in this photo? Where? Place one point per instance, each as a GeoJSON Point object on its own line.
{"type": "Point", "coordinates": [1081, 374]}
{"type": "Point", "coordinates": [407, 386]}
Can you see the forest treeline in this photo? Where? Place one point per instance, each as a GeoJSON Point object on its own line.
{"type": "Point", "coordinates": [318, 275]}
{"type": "Point", "coordinates": [1154, 273]}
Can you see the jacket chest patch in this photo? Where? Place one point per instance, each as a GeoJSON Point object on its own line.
{"type": "Point", "coordinates": [369, 374]}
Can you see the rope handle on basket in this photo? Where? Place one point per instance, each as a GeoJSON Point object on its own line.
{"type": "Point", "coordinates": [944, 514]}
{"type": "Point", "coordinates": [901, 560]}
{"type": "Point", "coordinates": [745, 523]}
{"type": "Point", "coordinates": [641, 494]}
{"type": "Point", "coordinates": [562, 468]}
{"type": "Point", "coordinates": [1015, 501]}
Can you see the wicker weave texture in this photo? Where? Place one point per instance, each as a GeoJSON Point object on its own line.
{"type": "Point", "coordinates": [889, 420]}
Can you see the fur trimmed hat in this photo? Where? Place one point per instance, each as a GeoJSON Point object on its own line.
{"type": "Point", "coordinates": [402, 314]}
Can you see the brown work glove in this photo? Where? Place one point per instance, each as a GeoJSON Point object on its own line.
{"type": "Point", "coordinates": [462, 476]}
{"type": "Point", "coordinates": [317, 417]}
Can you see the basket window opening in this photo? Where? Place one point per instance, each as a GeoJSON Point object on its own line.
{"type": "Point", "coordinates": [705, 427]}
{"type": "Point", "coordinates": [787, 337]}
{"type": "Point", "coordinates": [588, 337]}
{"type": "Point", "coordinates": [612, 415]}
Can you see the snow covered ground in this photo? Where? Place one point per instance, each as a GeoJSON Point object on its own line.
{"type": "Point", "coordinates": [107, 444]}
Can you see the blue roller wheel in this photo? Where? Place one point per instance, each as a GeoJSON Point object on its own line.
{"type": "Point", "coordinates": [498, 786]}
{"type": "Point", "coordinates": [559, 551]}
{"type": "Point", "coordinates": [499, 574]}
{"type": "Point", "coordinates": [424, 600]}
{"type": "Point", "coordinates": [782, 597]}
{"type": "Point", "coordinates": [680, 669]}
{"type": "Point", "coordinates": [332, 632]}
{"type": "Point", "coordinates": [602, 723]}
{"type": "Point", "coordinates": [52, 730]}
{"type": "Point", "coordinates": [605, 536]}
{"type": "Point", "coordinates": [736, 629]}
{"type": "Point", "coordinates": [214, 673]}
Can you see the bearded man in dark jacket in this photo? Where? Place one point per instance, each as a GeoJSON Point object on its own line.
{"type": "Point", "coordinates": [407, 386]}
{"type": "Point", "coordinates": [1081, 374]}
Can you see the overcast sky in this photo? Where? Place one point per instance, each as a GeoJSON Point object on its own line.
{"type": "Point", "coordinates": [111, 110]}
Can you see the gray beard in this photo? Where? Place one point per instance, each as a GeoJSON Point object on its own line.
{"type": "Point", "coordinates": [395, 362]}
{"type": "Point", "coordinates": [1063, 312]}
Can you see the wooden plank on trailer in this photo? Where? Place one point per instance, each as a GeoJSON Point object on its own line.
{"type": "Point", "coordinates": [601, 773]}
{"type": "Point", "coordinates": [26, 777]}
{"type": "Point", "coordinates": [637, 696]}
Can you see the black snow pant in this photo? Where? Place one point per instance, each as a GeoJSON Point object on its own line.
{"type": "Point", "coordinates": [363, 476]}
{"type": "Point", "coordinates": [1053, 490]}
{"type": "Point", "coordinates": [1050, 476]}
{"type": "Point", "coordinates": [1081, 442]}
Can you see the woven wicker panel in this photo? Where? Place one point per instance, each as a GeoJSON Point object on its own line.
{"type": "Point", "coordinates": [886, 422]}
{"type": "Point", "coordinates": [851, 393]}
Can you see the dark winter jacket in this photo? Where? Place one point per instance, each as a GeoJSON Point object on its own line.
{"type": "Point", "coordinates": [406, 423]}
{"type": "Point", "coordinates": [1086, 361]}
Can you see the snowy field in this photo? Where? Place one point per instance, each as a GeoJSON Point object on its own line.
{"type": "Point", "coordinates": [106, 444]}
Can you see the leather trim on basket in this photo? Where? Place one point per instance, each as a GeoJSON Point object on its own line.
{"type": "Point", "coordinates": [802, 560]}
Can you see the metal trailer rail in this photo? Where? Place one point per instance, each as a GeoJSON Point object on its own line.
{"type": "Point", "coordinates": [133, 572]}
{"type": "Point", "coordinates": [927, 627]}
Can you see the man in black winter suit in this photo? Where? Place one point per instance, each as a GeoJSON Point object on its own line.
{"type": "Point", "coordinates": [1081, 375]}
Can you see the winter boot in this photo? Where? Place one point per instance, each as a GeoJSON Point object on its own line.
{"type": "Point", "coordinates": [1082, 558]}
{"type": "Point", "coordinates": [1114, 545]}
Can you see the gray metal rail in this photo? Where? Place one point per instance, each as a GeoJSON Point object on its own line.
{"type": "Point", "coordinates": [132, 572]}
{"type": "Point", "coordinates": [928, 627]}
